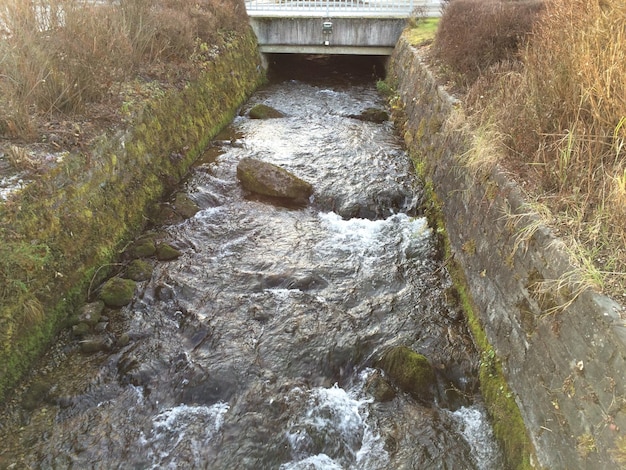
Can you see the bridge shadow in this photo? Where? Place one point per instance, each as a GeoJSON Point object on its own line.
{"type": "Point", "coordinates": [346, 70]}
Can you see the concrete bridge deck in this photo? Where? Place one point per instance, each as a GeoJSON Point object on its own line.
{"type": "Point", "coordinates": [357, 27]}
{"type": "Point", "coordinates": [344, 8]}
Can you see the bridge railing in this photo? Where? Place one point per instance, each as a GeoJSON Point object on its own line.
{"type": "Point", "coordinates": [330, 7]}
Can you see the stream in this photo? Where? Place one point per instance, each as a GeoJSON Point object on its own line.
{"type": "Point", "coordinates": [257, 348]}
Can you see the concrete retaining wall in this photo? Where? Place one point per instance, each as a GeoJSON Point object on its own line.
{"type": "Point", "coordinates": [566, 366]}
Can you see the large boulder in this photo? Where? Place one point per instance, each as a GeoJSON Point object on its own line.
{"type": "Point", "coordinates": [270, 180]}
{"type": "Point", "coordinates": [409, 371]}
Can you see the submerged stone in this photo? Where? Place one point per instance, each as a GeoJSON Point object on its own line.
{"type": "Point", "coordinates": [263, 111]}
{"type": "Point", "coordinates": [268, 179]}
{"type": "Point", "coordinates": [123, 340]}
{"type": "Point", "coordinates": [181, 208]}
{"type": "Point", "coordinates": [410, 371]}
{"type": "Point", "coordinates": [184, 206]}
{"type": "Point", "coordinates": [117, 292]}
{"type": "Point", "coordinates": [375, 115]}
{"type": "Point", "coordinates": [380, 389]}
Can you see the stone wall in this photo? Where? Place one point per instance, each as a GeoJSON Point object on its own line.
{"type": "Point", "coordinates": [562, 354]}
{"type": "Point", "coordinates": [69, 222]}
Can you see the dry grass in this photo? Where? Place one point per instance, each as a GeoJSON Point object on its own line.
{"type": "Point", "coordinates": [473, 35]}
{"type": "Point", "coordinates": [559, 101]}
{"type": "Point", "coordinates": [59, 57]}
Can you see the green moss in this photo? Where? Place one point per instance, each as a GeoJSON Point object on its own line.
{"type": "Point", "coordinates": [142, 248]}
{"type": "Point", "coordinates": [167, 252]}
{"type": "Point", "coordinates": [184, 206]}
{"type": "Point", "coordinates": [117, 292]}
{"type": "Point", "coordinates": [81, 330]}
{"type": "Point", "coordinates": [508, 424]}
{"type": "Point", "coordinates": [384, 87]}
{"type": "Point", "coordinates": [263, 111]}
{"type": "Point", "coordinates": [375, 115]}
{"type": "Point", "coordinates": [139, 270]}
{"type": "Point", "coordinates": [410, 371]}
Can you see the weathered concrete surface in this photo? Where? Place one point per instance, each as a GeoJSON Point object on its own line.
{"type": "Point", "coordinates": [376, 36]}
{"type": "Point", "coordinates": [567, 368]}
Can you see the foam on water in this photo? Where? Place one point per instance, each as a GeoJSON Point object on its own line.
{"type": "Point", "coordinates": [369, 239]}
{"type": "Point", "coordinates": [334, 433]}
{"type": "Point", "coordinates": [474, 427]}
{"type": "Point", "coordinates": [185, 429]}
{"type": "Point", "coordinates": [314, 462]}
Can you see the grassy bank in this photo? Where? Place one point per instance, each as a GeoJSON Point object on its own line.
{"type": "Point", "coordinates": [73, 216]}
{"type": "Point", "coordinates": [544, 83]}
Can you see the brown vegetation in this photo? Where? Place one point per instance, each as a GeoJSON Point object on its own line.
{"type": "Point", "coordinates": [59, 58]}
{"type": "Point", "coordinates": [475, 35]}
{"type": "Point", "coordinates": [547, 84]}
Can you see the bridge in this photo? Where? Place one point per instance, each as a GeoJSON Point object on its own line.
{"type": "Point", "coordinates": [356, 27]}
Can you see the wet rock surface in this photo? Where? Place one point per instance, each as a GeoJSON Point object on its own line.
{"type": "Point", "coordinates": [267, 179]}
{"type": "Point", "coordinates": [375, 115]}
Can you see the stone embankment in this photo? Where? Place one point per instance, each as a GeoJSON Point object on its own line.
{"type": "Point", "coordinates": [562, 352]}
{"type": "Point", "coordinates": [65, 227]}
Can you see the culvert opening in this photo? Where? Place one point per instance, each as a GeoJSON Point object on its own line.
{"type": "Point", "coordinates": [345, 69]}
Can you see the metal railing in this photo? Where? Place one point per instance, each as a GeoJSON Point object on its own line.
{"type": "Point", "coordinates": [330, 7]}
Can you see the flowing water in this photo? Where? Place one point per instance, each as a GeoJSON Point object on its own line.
{"type": "Point", "coordinates": [257, 347]}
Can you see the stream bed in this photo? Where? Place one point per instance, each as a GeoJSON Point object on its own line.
{"type": "Point", "coordinates": [257, 347]}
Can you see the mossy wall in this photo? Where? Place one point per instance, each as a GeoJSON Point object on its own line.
{"type": "Point", "coordinates": [553, 362]}
{"type": "Point", "coordinates": [68, 223]}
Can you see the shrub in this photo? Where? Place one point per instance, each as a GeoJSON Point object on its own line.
{"type": "Point", "coordinates": [474, 35]}
{"type": "Point", "coordinates": [559, 103]}
{"type": "Point", "coordinates": [573, 95]}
